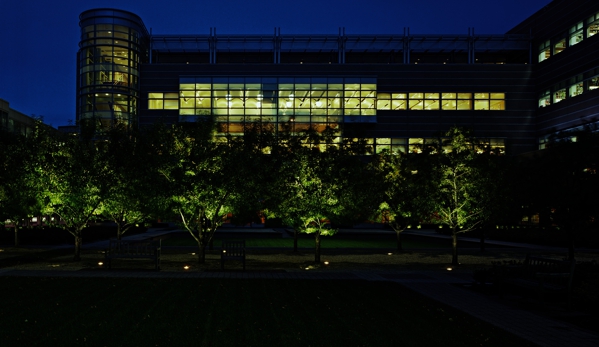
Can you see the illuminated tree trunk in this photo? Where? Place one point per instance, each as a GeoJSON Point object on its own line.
{"type": "Point", "coordinates": [201, 248]}
{"type": "Point", "coordinates": [317, 248]}
{"type": "Point", "coordinates": [78, 242]}
{"type": "Point", "coordinates": [454, 245]}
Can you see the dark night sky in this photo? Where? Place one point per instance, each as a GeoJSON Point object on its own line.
{"type": "Point", "coordinates": [39, 38]}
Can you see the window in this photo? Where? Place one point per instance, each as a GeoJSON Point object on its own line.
{"type": "Point", "coordinates": [415, 145]}
{"type": "Point", "coordinates": [575, 89]}
{"type": "Point", "coordinates": [559, 95]}
{"type": "Point", "coordinates": [544, 51]}
{"type": "Point", "coordinates": [416, 101]}
{"type": "Point", "coordinates": [594, 83]}
{"type": "Point", "coordinates": [576, 34]}
{"type": "Point", "coordinates": [431, 101]}
{"type": "Point", "coordinates": [489, 101]}
{"type": "Point", "coordinates": [559, 46]}
{"type": "Point", "coordinates": [545, 99]}
{"type": "Point", "coordinates": [593, 25]}
{"type": "Point", "coordinates": [383, 144]}
{"type": "Point", "coordinates": [163, 101]}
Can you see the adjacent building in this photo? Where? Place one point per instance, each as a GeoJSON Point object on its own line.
{"type": "Point", "coordinates": [15, 121]}
{"type": "Point", "coordinates": [513, 89]}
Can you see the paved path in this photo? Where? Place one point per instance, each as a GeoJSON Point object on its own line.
{"type": "Point", "coordinates": [437, 285]}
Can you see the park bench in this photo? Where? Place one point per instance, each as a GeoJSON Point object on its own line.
{"type": "Point", "coordinates": [133, 250]}
{"type": "Point", "coordinates": [540, 275]}
{"type": "Point", "coordinates": [232, 250]}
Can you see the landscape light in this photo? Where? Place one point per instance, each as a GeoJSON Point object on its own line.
{"type": "Point", "coordinates": [389, 253]}
{"type": "Point", "coordinates": [326, 263]}
{"type": "Point", "coordinates": [100, 263]}
{"type": "Point", "coordinates": [186, 267]}
{"type": "Point", "coordinates": [449, 269]}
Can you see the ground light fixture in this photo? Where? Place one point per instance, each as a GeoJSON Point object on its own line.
{"type": "Point", "coordinates": [449, 269]}
{"type": "Point", "coordinates": [326, 263]}
{"type": "Point", "coordinates": [100, 263]}
{"type": "Point", "coordinates": [186, 267]}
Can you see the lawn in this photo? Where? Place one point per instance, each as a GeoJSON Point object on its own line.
{"type": "Point", "coordinates": [308, 242]}
{"type": "Point", "coordinates": [221, 312]}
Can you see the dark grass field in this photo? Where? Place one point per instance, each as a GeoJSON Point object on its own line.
{"type": "Point", "coordinates": [220, 312]}
{"type": "Point", "coordinates": [308, 242]}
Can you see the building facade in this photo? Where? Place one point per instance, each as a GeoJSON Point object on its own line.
{"type": "Point", "coordinates": [514, 90]}
{"type": "Point", "coordinates": [14, 121]}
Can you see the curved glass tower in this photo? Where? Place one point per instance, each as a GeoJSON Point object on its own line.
{"type": "Point", "coordinates": [113, 44]}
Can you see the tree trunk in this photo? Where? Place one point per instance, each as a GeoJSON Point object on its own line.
{"type": "Point", "coordinates": [295, 240]}
{"type": "Point", "coordinates": [16, 235]}
{"type": "Point", "coordinates": [399, 245]}
{"type": "Point", "coordinates": [78, 242]}
{"type": "Point", "coordinates": [317, 246]}
{"type": "Point", "coordinates": [119, 232]}
{"type": "Point", "coordinates": [454, 245]}
{"type": "Point", "coordinates": [201, 252]}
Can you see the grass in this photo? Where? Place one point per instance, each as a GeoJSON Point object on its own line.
{"type": "Point", "coordinates": [308, 242]}
{"type": "Point", "coordinates": [221, 312]}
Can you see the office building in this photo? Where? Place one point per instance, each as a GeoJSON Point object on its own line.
{"type": "Point", "coordinates": [514, 89]}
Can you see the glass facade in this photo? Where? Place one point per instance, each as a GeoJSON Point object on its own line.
{"type": "Point", "coordinates": [573, 87]}
{"type": "Point", "coordinates": [306, 99]}
{"type": "Point", "coordinates": [576, 34]}
{"type": "Point", "coordinates": [301, 102]}
{"type": "Point", "coordinates": [113, 44]}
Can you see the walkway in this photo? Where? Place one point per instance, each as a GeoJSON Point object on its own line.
{"type": "Point", "coordinates": [437, 285]}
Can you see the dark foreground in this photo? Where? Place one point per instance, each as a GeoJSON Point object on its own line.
{"type": "Point", "coordinates": [221, 312]}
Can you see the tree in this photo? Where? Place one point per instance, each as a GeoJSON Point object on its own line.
{"type": "Point", "coordinates": [127, 197]}
{"type": "Point", "coordinates": [255, 166]}
{"type": "Point", "coordinates": [308, 184]}
{"type": "Point", "coordinates": [201, 179]}
{"type": "Point", "coordinates": [405, 185]}
{"type": "Point", "coordinates": [19, 183]}
{"type": "Point", "coordinates": [462, 197]}
{"type": "Point", "coordinates": [75, 178]}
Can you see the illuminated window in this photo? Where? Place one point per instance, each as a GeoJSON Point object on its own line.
{"type": "Point", "coordinates": [416, 101]}
{"type": "Point", "coordinates": [594, 83]}
{"type": "Point", "coordinates": [399, 146]}
{"type": "Point", "coordinates": [383, 144]}
{"type": "Point", "coordinates": [593, 25]}
{"type": "Point", "coordinates": [163, 101]}
{"type": "Point", "coordinates": [559, 46]}
{"type": "Point", "coordinates": [415, 145]}
{"type": "Point", "coordinates": [559, 95]}
{"type": "Point", "coordinates": [464, 101]}
{"type": "Point", "coordinates": [544, 51]}
{"type": "Point", "coordinates": [545, 99]}
{"type": "Point", "coordinates": [497, 101]}
{"type": "Point", "coordinates": [431, 101]}
{"type": "Point", "coordinates": [576, 89]}
{"type": "Point", "coordinates": [576, 34]}
{"type": "Point", "coordinates": [399, 101]}
{"type": "Point", "coordinates": [448, 101]}
{"type": "Point", "coordinates": [489, 101]}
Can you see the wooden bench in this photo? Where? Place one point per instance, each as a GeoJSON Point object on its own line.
{"type": "Point", "coordinates": [133, 250]}
{"type": "Point", "coordinates": [542, 275]}
{"type": "Point", "coordinates": [232, 250]}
